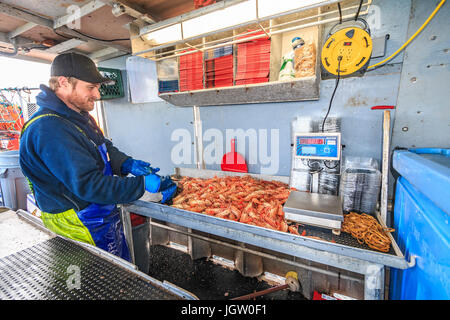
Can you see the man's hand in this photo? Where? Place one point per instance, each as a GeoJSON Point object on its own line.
{"type": "Point", "coordinates": [137, 168]}
{"type": "Point", "coordinates": [152, 183]}
{"type": "Point", "coordinates": [167, 189]}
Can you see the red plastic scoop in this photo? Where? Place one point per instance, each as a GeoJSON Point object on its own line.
{"type": "Point", "coordinates": [233, 161]}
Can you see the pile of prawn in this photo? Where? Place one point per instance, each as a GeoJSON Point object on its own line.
{"type": "Point", "coordinates": [243, 199]}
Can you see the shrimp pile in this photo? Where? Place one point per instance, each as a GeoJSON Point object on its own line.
{"type": "Point", "coordinates": [243, 199]}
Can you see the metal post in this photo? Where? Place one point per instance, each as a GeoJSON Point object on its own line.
{"type": "Point", "coordinates": [374, 282]}
{"type": "Point", "coordinates": [127, 230]}
{"type": "Point", "coordinates": [101, 112]}
{"type": "Point", "coordinates": [385, 164]}
{"type": "Point", "coordinates": [198, 138]}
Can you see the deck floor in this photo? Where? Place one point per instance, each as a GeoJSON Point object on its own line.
{"type": "Point", "coordinates": [206, 279]}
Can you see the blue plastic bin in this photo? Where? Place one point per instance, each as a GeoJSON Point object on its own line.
{"type": "Point", "coordinates": [421, 221]}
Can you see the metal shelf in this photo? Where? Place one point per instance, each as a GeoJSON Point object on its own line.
{"type": "Point", "coordinates": [309, 20]}
{"type": "Point", "coordinates": [296, 90]}
{"type": "Point", "coordinates": [312, 15]}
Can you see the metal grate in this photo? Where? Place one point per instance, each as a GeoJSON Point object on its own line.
{"type": "Point", "coordinates": [344, 238]}
{"type": "Point", "coordinates": [47, 271]}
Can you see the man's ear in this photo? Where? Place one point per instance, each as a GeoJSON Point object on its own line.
{"type": "Point", "coordinates": [63, 82]}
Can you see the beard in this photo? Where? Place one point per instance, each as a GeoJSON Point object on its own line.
{"type": "Point", "coordinates": [83, 103]}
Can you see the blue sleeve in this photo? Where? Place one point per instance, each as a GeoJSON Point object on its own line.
{"type": "Point", "coordinates": [117, 157]}
{"type": "Point", "coordinates": [72, 159]}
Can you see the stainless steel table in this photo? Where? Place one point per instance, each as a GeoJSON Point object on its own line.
{"type": "Point", "coordinates": [341, 254]}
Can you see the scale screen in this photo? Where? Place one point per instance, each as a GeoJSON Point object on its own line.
{"type": "Point", "coordinates": [320, 146]}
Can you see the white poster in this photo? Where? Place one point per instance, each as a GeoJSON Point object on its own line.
{"type": "Point", "coordinates": [143, 80]}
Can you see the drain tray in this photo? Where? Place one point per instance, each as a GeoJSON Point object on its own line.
{"type": "Point", "coordinates": [58, 269]}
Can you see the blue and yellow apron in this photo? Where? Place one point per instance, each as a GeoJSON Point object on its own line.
{"type": "Point", "coordinates": [97, 224]}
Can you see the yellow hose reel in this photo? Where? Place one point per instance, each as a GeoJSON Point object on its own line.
{"type": "Point", "coordinates": [350, 49]}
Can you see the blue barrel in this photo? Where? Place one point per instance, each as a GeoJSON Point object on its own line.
{"type": "Point", "coordinates": [421, 221]}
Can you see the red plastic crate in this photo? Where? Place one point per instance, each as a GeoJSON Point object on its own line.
{"type": "Point", "coordinates": [253, 60]}
{"type": "Point", "coordinates": [191, 71]}
{"type": "Point", "coordinates": [219, 72]}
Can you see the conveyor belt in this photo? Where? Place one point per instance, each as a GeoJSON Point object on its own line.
{"type": "Point", "coordinates": [43, 272]}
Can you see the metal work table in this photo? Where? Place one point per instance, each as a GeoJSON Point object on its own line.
{"type": "Point", "coordinates": [340, 254]}
{"type": "Point", "coordinates": [56, 268]}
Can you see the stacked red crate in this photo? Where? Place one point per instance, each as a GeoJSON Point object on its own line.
{"type": "Point", "coordinates": [191, 71]}
{"type": "Point", "coordinates": [219, 71]}
{"type": "Point", "coordinates": [253, 60]}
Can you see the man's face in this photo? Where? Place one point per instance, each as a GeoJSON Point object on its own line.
{"type": "Point", "coordinates": [83, 95]}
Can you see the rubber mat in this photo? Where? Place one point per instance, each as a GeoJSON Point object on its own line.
{"type": "Point", "coordinates": [58, 269]}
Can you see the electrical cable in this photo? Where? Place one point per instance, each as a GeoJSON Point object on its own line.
{"type": "Point", "coordinates": [314, 170]}
{"type": "Point", "coordinates": [98, 39]}
{"type": "Point", "coordinates": [334, 92]}
{"type": "Point", "coordinates": [88, 36]}
{"type": "Point", "coordinates": [340, 13]}
{"type": "Point", "coordinates": [325, 164]}
{"type": "Point", "coordinates": [359, 9]}
{"type": "Point", "coordinates": [61, 35]}
{"type": "Point", "coordinates": [410, 39]}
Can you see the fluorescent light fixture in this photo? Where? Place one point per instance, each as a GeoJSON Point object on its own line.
{"type": "Point", "coordinates": [227, 17]}
{"type": "Point", "coordinates": [165, 35]}
{"type": "Point", "coordinates": [271, 7]}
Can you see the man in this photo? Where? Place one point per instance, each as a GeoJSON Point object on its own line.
{"type": "Point", "coordinates": [76, 174]}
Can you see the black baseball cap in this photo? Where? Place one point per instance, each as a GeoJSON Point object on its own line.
{"type": "Point", "coordinates": [79, 66]}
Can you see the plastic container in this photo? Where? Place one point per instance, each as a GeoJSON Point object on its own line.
{"type": "Point", "coordinates": [421, 222]}
{"type": "Point", "coordinates": [13, 184]}
{"type": "Point", "coordinates": [114, 90]}
{"type": "Point", "coordinates": [360, 185]}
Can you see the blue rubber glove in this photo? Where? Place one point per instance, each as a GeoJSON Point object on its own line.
{"type": "Point", "coordinates": [166, 182]}
{"type": "Point", "coordinates": [137, 167]}
{"type": "Point", "coordinates": [167, 189]}
{"type": "Point", "coordinates": [152, 183]}
{"type": "Point", "coordinates": [168, 193]}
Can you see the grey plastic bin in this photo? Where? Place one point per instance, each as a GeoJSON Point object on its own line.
{"type": "Point", "coordinates": [13, 184]}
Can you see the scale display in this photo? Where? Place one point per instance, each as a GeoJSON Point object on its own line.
{"type": "Point", "coordinates": [320, 146]}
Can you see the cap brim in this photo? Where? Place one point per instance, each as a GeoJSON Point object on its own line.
{"type": "Point", "coordinates": [96, 77]}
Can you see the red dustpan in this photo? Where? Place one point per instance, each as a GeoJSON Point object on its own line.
{"type": "Point", "coordinates": [233, 161]}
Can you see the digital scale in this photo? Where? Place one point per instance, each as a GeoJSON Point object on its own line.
{"type": "Point", "coordinates": [320, 210]}
{"type": "Point", "coordinates": [318, 146]}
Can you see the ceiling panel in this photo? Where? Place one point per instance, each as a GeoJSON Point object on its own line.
{"type": "Point", "coordinates": [40, 33]}
{"type": "Point", "coordinates": [8, 23]}
{"type": "Point", "coordinates": [101, 24]}
{"type": "Point", "coordinates": [48, 8]}
{"type": "Point", "coordinates": [163, 9]}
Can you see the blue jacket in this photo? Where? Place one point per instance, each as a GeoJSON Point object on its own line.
{"type": "Point", "coordinates": [64, 165]}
